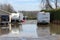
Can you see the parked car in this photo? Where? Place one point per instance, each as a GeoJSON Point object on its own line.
{"type": "Point", "coordinates": [4, 19]}
{"type": "Point", "coordinates": [43, 17]}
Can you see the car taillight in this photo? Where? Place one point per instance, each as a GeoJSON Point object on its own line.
{"type": "Point", "coordinates": [22, 20]}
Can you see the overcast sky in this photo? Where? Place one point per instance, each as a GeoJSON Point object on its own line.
{"type": "Point", "coordinates": [27, 5]}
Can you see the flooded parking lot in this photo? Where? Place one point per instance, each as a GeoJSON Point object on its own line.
{"type": "Point", "coordinates": [29, 30]}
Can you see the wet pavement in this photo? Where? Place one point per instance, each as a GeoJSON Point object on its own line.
{"type": "Point", "coordinates": [30, 31]}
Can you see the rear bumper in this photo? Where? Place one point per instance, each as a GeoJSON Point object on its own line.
{"type": "Point", "coordinates": [15, 21]}
{"type": "Point", "coordinates": [43, 22]}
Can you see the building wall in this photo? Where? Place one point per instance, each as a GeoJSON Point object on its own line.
{"type": "Point", "coordinates": [4, 13]}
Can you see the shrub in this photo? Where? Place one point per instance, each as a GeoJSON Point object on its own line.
{"type": "Point", "coordinates": [54, 14]}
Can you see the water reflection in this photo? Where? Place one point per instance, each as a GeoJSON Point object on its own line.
{"type": "Point", "coordinates": [4, 29]}
{"type": "Point", "coordinates": [43, 30]}
{"type": "Point", "coordinates": [30, 30]}
{"type": "Point", "coordinates": [16, 28]}
{"type": "Point", "coordinates": [55, 29]}
{"type": "Point", "coordinates": [49, 29]}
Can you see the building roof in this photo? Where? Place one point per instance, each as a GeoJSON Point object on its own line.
{"type": "Point", "coordinates": [4, 12]}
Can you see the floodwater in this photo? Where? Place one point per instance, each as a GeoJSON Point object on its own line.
{"type": "Point", "coordinates": [29, 29]}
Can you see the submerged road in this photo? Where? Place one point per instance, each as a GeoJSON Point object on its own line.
{"type": "Point", "coordinates": [30, 31]}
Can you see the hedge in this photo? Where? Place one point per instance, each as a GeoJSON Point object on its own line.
{"type": "Point", "coordinates": [54, 14]}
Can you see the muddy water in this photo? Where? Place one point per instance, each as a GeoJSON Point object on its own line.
{"type": "Point", "coordinates": [31, 30]}
{"type": "Point", "coordinates": [55, 29]}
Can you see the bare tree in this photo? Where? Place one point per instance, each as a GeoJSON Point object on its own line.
{"type": "Point", "coordinates": [56, 4]}
{"type": "Point", "coordinates": [10, 8]}
{"type": "Point", "coordinates": [7, 7]}
{"type": "Point", "coordinates": [48, 5]}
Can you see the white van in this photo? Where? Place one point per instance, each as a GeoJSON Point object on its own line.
{"type": "Point", "coordinates": [16, 17]}
{"type": "Point", "coordinates": [43, 17]}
